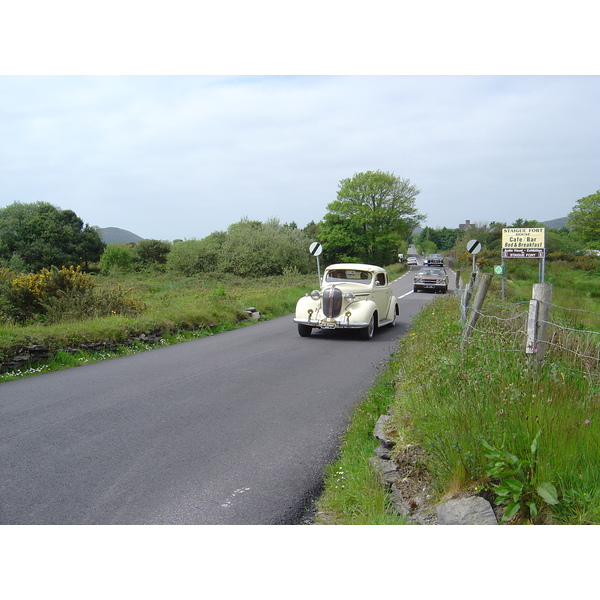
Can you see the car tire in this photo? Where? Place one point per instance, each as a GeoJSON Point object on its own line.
{"type": "Point", "coordinates": [304, 330]}
{"type": "Point", "coordinates": [415, 290]}
{"type": "Point", "coordinates": [367, 332]}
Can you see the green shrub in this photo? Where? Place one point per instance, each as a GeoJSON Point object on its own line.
{"type": "Point", "coordinates": [87, 304]}
{"type": "Point", "coordinates": [254, 249]}
{"type": "Point", "coordinates": [152, 252]}
{"type": "Point", "coordinates": [55, 295]}
{"type": "Point", "coordinates": [586, 263]}
{"type": "Point", "coordinates": [247, 249]}
{"type": "Point", "coordinates": [29, 293]}
{"type": "Point", "coordinates": [116, 257]}
{"type": "Point", "coordinates": [560, 256]}
{"type": "Point", "coordinates": [191, 257]}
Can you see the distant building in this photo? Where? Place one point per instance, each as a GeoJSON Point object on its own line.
{"type": "Point", "coordinates": [466, 225]}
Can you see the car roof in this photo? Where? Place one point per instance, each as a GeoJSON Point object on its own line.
{"type": "Point", "coordinates": [355, 267]}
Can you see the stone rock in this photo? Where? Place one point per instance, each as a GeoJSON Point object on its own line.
{"type": "Point", "coordinates": [252, 313]}
{"type": "Point", "coordinates": [403, 508]}
{"type": "Point", "coordinates": [386, 470]}
{"type": "Point", "coordinates": [466, 511]}
{"type": "Point", "coordinates": [379, 431]}
{"type": "Point", "coordinates": [382, 452]}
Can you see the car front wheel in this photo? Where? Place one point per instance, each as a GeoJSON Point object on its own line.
{"type": "Point", "coordinates": [367, 332]}
{"type": "Point", "coordinates": [304, 330]}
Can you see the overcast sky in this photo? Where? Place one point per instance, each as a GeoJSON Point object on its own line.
{"type": "Point", "coordinates": [181, 156]}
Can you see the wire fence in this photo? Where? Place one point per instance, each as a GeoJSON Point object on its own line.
{"type": "Point", "coordinates": [542, 331]}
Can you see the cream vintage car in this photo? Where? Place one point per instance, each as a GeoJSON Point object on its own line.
{"type": "Point", "coordinates": [352, 296]}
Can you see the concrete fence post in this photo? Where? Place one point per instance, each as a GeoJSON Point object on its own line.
{"type": "Point", "coordinates": [537, 321]}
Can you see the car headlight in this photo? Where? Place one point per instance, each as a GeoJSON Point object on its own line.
{"type": "Point", "coordinates": [315, 294]}
{"type": "Point", "coordinates": [349, 297]}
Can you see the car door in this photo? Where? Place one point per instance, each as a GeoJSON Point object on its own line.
{"type": "Point", "coordinates": [382, 294]}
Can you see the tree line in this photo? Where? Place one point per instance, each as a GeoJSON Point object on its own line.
{"type": "Point", "coordinates": [371, 220]}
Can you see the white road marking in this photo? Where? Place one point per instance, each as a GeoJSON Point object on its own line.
{"type": "Point", "coordinates": [229, 500]}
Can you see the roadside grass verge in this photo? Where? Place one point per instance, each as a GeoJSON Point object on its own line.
{"type": "Point", "coordinates": [487, 394]}
{"type": "Point", "coordinates": [456, 403]}
{"type": "Point", "coordinates": [352, 493]}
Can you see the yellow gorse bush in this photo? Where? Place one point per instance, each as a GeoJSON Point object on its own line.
{"type": "Point", "coordinates": [49, 282]}
{"type": "Point", "coordinates": [54, 294]}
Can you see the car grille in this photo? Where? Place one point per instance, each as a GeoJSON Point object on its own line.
{"type": "Point", "coordinates": [332, 301]}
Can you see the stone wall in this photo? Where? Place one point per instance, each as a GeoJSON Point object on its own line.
{"type": "Point", "coordinates": [36, 353]}
{"type": "Point", "coordinates": [403, 473]}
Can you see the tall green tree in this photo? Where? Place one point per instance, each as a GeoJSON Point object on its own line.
{"type": "Point", "coordinates": [585, 219]}
{"type": "Point", "coordinates": [373, 213]}
{"type": "Point", "coordinates": [40, 235]}
{"type": "Point", "coordinates": [444, 239]}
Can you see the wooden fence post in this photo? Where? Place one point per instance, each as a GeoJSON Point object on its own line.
{"type": "Point", "coordinates": [466, 295]}
{"type": "Point", "coordinates": [484, 284]}
{"type": "Point", "coordinates": [458, 281]}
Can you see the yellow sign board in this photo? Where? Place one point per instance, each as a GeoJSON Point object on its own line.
{"type": "Point", "coordinates": [525, 242]}
{"type": "Point", "coordinates": [526, 238]}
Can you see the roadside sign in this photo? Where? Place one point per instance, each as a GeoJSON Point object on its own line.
{"type": "Point", "coordinates": [474, 246]}
{"type": "Point", "coordinates": [525, 242]}
{"type": "Point", "coordinates": [523, 253]}
{"type": "Point", "coordinates": [316, 248]}
{"type": "Point", "coordinates": [523, 238]}
{"type": "Point", "coordinates": [498, 269]}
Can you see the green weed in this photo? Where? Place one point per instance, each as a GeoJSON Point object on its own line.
{"type": "Point", "coordinates": [517, 487]}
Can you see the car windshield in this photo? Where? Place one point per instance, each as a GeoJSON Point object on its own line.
{"type": "Point", "coordinates": [436, 272]}
{"type": "Point", "coordinates": [340, 275]}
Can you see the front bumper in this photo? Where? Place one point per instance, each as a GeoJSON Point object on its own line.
{"type": "Point", "coordinates": [331, 323]}
{"type": "Point", "coordinates": [430, 286]}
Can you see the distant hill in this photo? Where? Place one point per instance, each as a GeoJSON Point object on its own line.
{"type": "Point", "coordinates": [556, 223]}
{"type": "Point", "coordinates": [114, 235]}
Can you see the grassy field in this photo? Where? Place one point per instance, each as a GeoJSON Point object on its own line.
{"type": "Point", "coordinates": [488, 423]}
{"type": "Point", "coordinates": [175, 308]}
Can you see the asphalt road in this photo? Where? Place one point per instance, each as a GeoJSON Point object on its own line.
{"type": "Point", "coordinates": [232, 429]}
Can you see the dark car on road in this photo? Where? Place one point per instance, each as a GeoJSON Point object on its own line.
{"type": "Point", "coordinates": [434, 260]}
{"type": "Point", "coordinates": [433, 279]}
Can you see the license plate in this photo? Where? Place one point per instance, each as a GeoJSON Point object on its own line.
{"type": "Point", "coordinates": [327, 325]}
